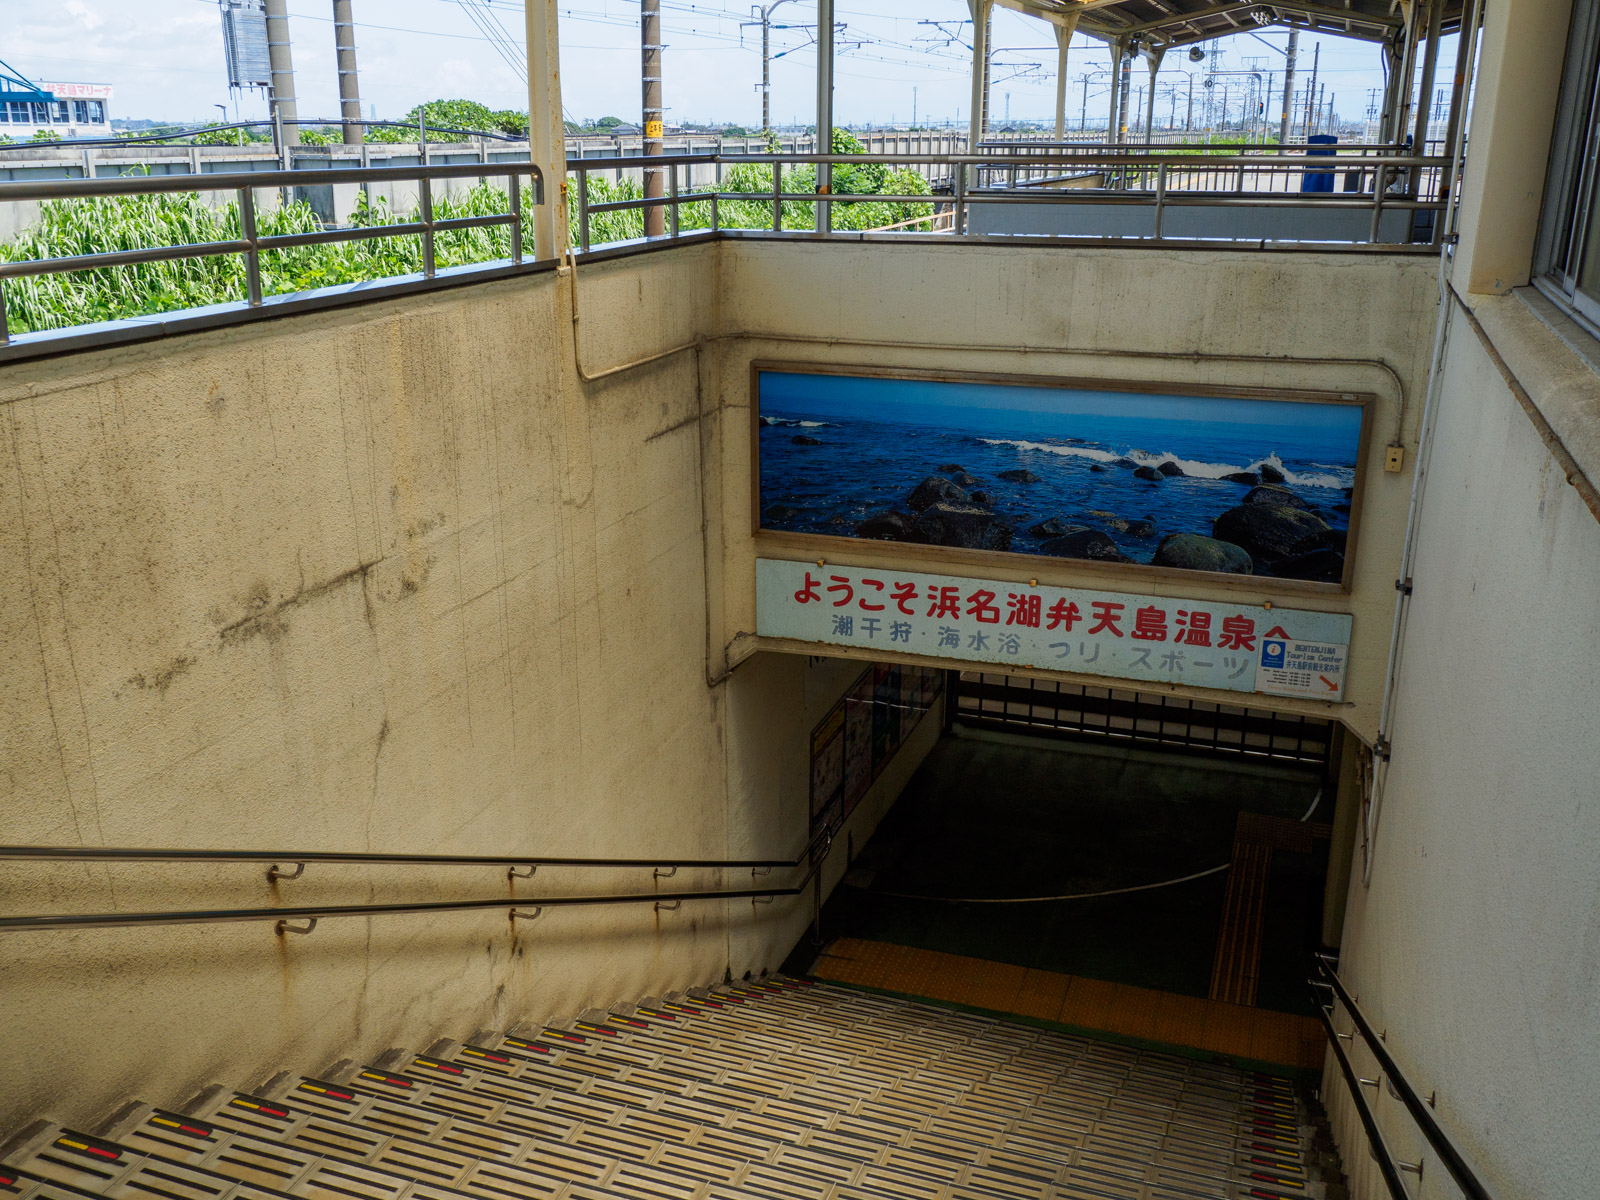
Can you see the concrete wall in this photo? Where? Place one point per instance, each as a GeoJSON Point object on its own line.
{"type": "Point", "coordinates": [1477, 945]}
{"type": "Point", "coordinates": [388, 580]}
{"type": "Point", "coordinates": [1226, 318]}
{"type": "Point", "coordinates": [1309, 222]}
{"type": "Point", "coordinates": [391, 578]}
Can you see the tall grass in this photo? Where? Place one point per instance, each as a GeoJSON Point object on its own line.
{"type": "Point", "coordinates": [68, 228]}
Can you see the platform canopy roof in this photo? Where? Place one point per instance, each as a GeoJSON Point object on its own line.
{"type": "Point", "coordinates": [1160, 25]}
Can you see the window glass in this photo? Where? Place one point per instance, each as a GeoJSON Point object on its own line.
{"type": "Point", "coordinates": [41, 113]}
{"type": "Point", "coordinates": [1567, 255]}
{"type": "Point", "coordinates": [80, 111]}
{"type": "Point", "coordinates": [97, 112]}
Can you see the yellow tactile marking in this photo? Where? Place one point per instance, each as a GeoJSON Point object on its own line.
{"type": "Point", "coordinates": [1118, 1008]}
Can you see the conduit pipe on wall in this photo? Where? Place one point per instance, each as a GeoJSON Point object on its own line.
{"type": "Point", "coordinates": [699, 343]}
{"type": "Point", "coordinates": [1470, 28]}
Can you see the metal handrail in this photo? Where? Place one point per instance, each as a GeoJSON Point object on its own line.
{"type": "Point", "coordinates": [815, 853]}
{"type": "Point", "coordinates": [1421, 1110]}
{"type": "Point", "coordinates": [245, 185]}
{"type": "Point", "coordinates": [1122, 157]}
{"type": "Point", "coordinates": [229, 181]}
{"type": "Point", "coordinates": [101, 854]}
{"type": "Point", "coordinates": [1127, 171]}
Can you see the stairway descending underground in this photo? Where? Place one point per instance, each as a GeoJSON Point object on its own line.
{"type": "Point", "coordinates": [779, 1089]}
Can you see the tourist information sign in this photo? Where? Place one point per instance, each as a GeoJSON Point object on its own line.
{"type": "Point", "coordinates": [1155, 639]}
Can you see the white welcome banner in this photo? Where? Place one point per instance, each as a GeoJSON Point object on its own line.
{"type": "Point", "coordinates": [1156, 639]}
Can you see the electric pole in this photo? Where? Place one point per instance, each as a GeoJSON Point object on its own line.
{"type": "Point", "coordinates": [766, 61]}
{"type": "Point", "coordinates": [1311, 90]}
{"type": "Point", "coordinates": [344, 40]}
{"type": "Point", "coordinates": [655, 215]}
{"type": "Point", "coordinates": [1288, 84]}
{"type": "Point", "coordinates": [283, 106]}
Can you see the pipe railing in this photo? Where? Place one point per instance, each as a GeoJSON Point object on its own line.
{"type": "Point", "coordinates": [1134, 177]}
{"type": "Point", "coordinates": [251, 244]}
{"type": "Point", "coordinates": [1390, 1074]}
{"type": "Point", "coordinates": [812, 858]}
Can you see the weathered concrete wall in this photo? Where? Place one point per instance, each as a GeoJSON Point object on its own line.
{"type": "Point", "coordinates": [1477, 944]}
{"type": "Point", "coordinates": [394, 579]}
{"type": "Point", "coordinates": [774, 702]}
{"type": "Point", "coordinates": [387, 579]}
{"type": "Point", "coordinates": [1324, 322]}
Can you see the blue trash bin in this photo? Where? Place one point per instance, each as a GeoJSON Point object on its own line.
{"type": "Point", "coordinates": [1319, 181]}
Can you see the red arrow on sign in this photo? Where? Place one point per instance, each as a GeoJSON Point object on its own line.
{"type": "Point", "coordinates": [1278, 631]}
{"type": "Point", "coordinates": [1332, 686]}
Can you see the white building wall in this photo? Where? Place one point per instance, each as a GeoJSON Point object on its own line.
{"type": "Point", "coordinates": [1477, 945]}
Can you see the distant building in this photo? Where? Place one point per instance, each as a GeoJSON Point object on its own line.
{"type": "Point", "coordinates": [78, 110]}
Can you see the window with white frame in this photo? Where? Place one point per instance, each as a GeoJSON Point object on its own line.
{"type": "Point", "coordinates": [1567, 255]}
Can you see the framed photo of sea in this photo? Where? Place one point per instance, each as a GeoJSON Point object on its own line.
{"type": "Point", "coordinates": [1116, 476]}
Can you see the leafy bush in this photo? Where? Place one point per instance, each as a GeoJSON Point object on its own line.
{"type": "Point", "coordinates": [67, 228]}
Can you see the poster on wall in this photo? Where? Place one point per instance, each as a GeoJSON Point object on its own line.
{"type": "Point", "coordinates": [859, 737]}
{"type": "Point", "coordinates": [827, 761]}
{"type": "Point", "coordinates": [1122, 635]}
{"type": "Point", "coordinates": [1231, 482]}
{"type": "Point", "coordinates": [885, 715]}
{"type": "Point", "coordinates": [858, 741]}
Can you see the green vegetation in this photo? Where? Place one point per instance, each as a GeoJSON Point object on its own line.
{"type": "Point", "coordinates": [66, 228]}
{"type": "Point", "coordinates": [755, 179]}
{"type": "Point", "coordinates": [70, 227]}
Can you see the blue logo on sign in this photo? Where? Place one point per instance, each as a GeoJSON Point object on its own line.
{"type": "Point", "coordinates": [1272, 654]}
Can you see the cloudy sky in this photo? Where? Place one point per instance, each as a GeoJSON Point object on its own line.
{"type": "Point", "coordinates": [165, 59]}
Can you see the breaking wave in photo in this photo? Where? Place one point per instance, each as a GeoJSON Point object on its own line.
{"type": "Point", "coordinates": [1329, 477]}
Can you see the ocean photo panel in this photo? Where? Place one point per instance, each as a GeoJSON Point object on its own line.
{"type": "Point", "coordinates": [1245, 484]}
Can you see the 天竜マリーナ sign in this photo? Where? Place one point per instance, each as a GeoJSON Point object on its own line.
{"type": "Point", "coordinates": [1156, 639]}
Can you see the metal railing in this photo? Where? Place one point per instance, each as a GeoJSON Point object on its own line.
{"type": "Point", "coordinates": [515, 866]}
{"type": "Point", "coordinates": [1119, 176]}
{"type": "Point", "coordinates": [251, 243]}
{"type": "Point", "coordinates": [1390, 1075]}
{"type": "Point", "coordinates": [1128, 176]}
{"type": "Point", "coordinates": [1253, 166]}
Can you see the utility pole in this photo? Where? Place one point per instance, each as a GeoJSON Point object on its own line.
{"type": "Point", "coordinates": [1288, 84]}
{"type": "Point", "coordinates": [1311, 90]}
{"type": "Point", "coordinates": [655, 215]}
{"type": "Point", "coordinates": [824, 210]}
{"type": "Point", "coordinates": [766, 71]}
{"type": "Point", "coordinates": [1126, 68]}
{"type": "Point", "coordinates": [344, 40]}
{"type": "Point", "coordinates": [284, 111]}
{"type": "Point", "coordinates": [766, 62]}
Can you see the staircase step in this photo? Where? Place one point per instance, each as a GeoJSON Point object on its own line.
{"type": "Point", "coordinates": [774, 1090]}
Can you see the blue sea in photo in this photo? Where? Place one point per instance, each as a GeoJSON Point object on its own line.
{"type": "Point", "coordinates": [838, 450]}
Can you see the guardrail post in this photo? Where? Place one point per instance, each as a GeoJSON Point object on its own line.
{"type": "Point", "coordinates": [425, 194]}
{"type": "Point", "coordinates": [1161, 198]}
{"type": "Point", "coordinates": [1380, 182]}
{"type": "Point", "coordinates": [958, 216]}
{"type": "Point", "coordinates": [515, 182]}
{"type": "Point", "coordinates": [5, 328]}
{"type": "Point", "coordinates": [672, 196]}
{"type": "Point", "coordinates": [777, 197]}
{"type": "Point", "coordinates": [252, 256]}
{"type": "Point", "coordinates": [583, 207]}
